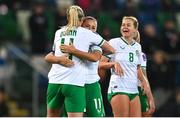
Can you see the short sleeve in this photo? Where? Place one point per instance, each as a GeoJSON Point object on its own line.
{"type": "Point", "coordinates": [139, 54]}
{"type": "Point", "coordinates": [143, 60]}
{"type": "Point", "coordinates": [96, 39]}
{"type": "Point", "coordinates": [112, 42]}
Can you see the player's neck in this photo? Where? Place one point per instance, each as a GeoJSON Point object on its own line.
{"type": "Point", "coordinates": [129, 40]}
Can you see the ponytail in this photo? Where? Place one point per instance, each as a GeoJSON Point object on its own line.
{"type": "Point", "coordinates": [74, 16]}
{"type": "Point", "coordinates": [137, 37]}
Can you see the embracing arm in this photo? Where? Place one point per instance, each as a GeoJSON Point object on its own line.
{"type": "Point", "coordinates": [107, 48]}
{"type": "Point", "coordinates": [90, 56]}
{"type": "Point", "coordinates": [62, 60]}
{"type": "Point", "coordinates": [50, 58]}
{"type": "Point", "coordinates": [104, 64]}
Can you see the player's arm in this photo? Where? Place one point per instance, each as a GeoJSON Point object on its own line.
{"type": "Point", "coordinates": [143, 80]}
{"type": "Point", "coordinates": [62, 60]}
{"type": "Point", "coordinates": [50, 58]}
{"type": "Point", "coordinates": [96, 39]}
{"type": "Point", "coordinates": [107, 48]}
{"type": "Point", "coordinates": [90, 56]}
{"type": "Point", "coordinates": [145, 74]}
{"type": "Point", "coordinates": [149, 96]}
{"type": "Point", "coordinates": [105, 64]}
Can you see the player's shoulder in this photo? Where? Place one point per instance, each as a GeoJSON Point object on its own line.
{"type": "Point", "coordinates": [60, 30]}
{"type": "Point", "coordinates": [84, 30]}
{"type": "Point", "coordinates": [89, 33]}
{"type": "Point", "coordinates": [136, 44]}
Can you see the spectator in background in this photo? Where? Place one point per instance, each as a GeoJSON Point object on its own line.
{"type": "Point", "coordinates": [60, 13]}
{"type": "Point", "coordinates": [60, 18]}
{"type": "Point", "coordinates": [84, 4]}
{"type": "Point", "coordinates": [167, 5]}
{"type": "Point", "coordinates": [106, 33]}
{"type": "Point", "coordinates": [4, 110]}
{"type": "Point", "coordinates": [38, 24]}
{"type": "Point", "coordinates": [120, 4]}
{"type": "Point", "coordinates": [177, 73]}
{"type": "Point", "coordinates": [110, 5]}
{"type": "Point", "coordinates": [150, 6]}
{"type": "Point", "coordinates": [161, 78]}
{"type": "Point", "coordinates": [8, 24]}
{"type": "Point", "coordinates": [109, 27]}
{"type": "Point", "coordinates": [64, 3]}
{"type": "Point", "coordinates": [151, 41]}
{"type": "Point", "coordinates": [170, 37]}
{"type": "Point", "coordinates": [177, 5]}
{"type": "Point", "coordinates": [160, 71]}
{"type": "Point", "coordinates": [172, 107]}
{"type": "Point", "coordinates": [131, 7]}
{"type": "Point", "coordinates": [97, 5]}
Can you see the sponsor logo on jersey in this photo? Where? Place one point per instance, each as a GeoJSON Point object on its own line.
{"type": "Point", "coordinates": [122, 47]}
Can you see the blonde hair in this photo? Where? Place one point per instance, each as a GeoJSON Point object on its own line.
{"type": "Point", "coordinates": [137, 37]}
{"type": "Point", "coordinates": [134, 19]}
{"type": "Point", "coordinates": [74, 16]}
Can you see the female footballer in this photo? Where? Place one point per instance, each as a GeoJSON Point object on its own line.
{"type": "Point", "coordinates": [123, 88]}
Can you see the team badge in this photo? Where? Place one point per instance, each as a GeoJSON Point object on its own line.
{"type": "Point", "coordinates": [137, 53]}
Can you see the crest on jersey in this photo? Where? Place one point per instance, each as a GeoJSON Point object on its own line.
{"type": "Point", "coordinates": [137, 52]}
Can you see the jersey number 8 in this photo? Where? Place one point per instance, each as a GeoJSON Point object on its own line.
{"type": "Point", "coordinates": [131, 57]}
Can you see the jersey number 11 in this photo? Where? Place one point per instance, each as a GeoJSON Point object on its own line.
{"type": "Point", "coordinates": [71, 40]}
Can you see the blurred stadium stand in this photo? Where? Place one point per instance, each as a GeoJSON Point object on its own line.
{"type": "Point", "coordinates": [23, 72]}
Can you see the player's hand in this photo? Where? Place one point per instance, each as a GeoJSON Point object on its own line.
{"type": "Point", "coordinates": [67, 48]}
{"type": "Point", "coordinates": [118, 69]}
{"type": "Point", "coordinates": [65, 61]}
{"type": "Point", "coordinates": [151, 107]}
{"type": "Point", "coordinates": [151, 104]}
